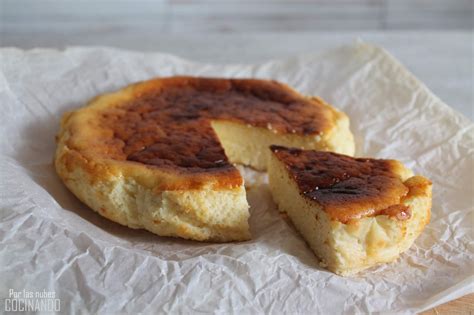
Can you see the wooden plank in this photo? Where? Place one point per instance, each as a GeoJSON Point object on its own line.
{"type": "Point", "coordinates": [280, 16]}
{"type": "Point", "coordinates": [181, 16]}
{"type": "Point", "coordinates": [28, 16]}
{"type": "Point", "coordinates": [429, 14]}
{"type": "Point", "coordinates": [462, 306]}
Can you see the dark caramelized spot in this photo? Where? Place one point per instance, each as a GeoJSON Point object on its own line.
{"type": "Point", "coordinates": [347, 188]}
{"type": "Point", "coordinates": [168, 125]}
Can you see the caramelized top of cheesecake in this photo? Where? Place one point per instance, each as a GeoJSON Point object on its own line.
{"type": "Point", "coordinates": [166, 122]}
{"type": "Point", "coordinates": [347, 188]}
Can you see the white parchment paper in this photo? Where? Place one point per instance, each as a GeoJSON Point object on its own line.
{"type": "Point", "coordinates": [49, 240]}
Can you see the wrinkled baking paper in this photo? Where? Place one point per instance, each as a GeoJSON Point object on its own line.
{"type": "Point", "coordinates": [50, 241]}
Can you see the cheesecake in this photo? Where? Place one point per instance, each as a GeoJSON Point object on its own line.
{"type": "Point", "coordinates": [354, 213]}
{"type": "Point", "coordinates": [159, 154]}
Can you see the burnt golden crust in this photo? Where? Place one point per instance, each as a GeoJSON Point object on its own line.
{"type": "Point", "coordinates": [348, 188]}
{"type": "Point", "coordinates": [167, 124]}
{"type": "Point", "coordinates": [161, 129]}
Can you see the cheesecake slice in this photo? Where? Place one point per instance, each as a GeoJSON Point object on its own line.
{"type": "Point", "coordinates": [354, 213]}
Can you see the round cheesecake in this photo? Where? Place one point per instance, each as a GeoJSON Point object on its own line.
{"type": "Point", "coordinates": [159, 154]}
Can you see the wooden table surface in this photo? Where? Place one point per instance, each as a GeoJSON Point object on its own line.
{"type": "Point", "coordinates": [464, 305]}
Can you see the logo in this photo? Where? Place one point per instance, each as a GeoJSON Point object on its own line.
{"type": "Point", "coordinates": [32, 301]}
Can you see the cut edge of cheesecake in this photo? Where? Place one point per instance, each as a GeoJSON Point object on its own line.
{"type": "Point", "coordinates": [347, 248]}
{"type": "Point", "coordinates": [248, 145]}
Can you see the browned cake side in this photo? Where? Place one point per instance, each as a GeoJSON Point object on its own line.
{"type": "Point", "coordinates": [347, 188]}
